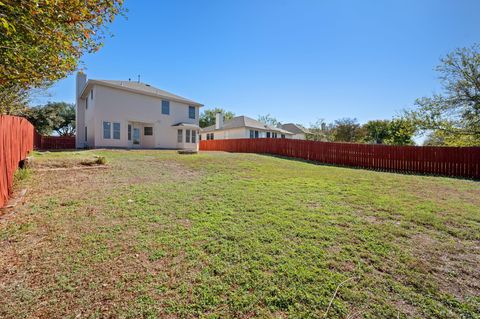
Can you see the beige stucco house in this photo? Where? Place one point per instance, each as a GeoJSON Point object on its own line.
{"type": "Point", "coordinates": [125, 114]}
{"type": "Point", "coordinates": [241, 127]}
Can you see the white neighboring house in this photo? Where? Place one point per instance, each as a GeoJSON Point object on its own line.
{"type": "Point", "coordinates": [299, 131]}
{"type": "Point", "coordinates": [125, 114]}
{"type": "Point", "coordinates": [241, 127]}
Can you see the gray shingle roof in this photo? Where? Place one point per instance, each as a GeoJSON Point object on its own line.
{"type": "Point", "coordinates": [294, 128]}
{"type": "Point", "coordinates": [244, 121]}
{"type": "Point", "coordinates": [142, 88]}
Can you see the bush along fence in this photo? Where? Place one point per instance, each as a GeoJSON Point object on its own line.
{"type": "Point", "coordinates": [16, 141]}
{"type": "Point", "coordinates": [54, 142]}
{"type": "Point", "coordinates": [447, 161]}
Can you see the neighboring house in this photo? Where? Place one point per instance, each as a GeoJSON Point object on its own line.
{"type": "Point", "coordinates": [299, 131]}
{"type": "Point", "coordinates": [127, 114]}
{"type": "Point", "coordinates": [241, 127]}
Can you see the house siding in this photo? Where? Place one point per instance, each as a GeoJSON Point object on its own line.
{"type": "Point", "coordinates": [119, 106]}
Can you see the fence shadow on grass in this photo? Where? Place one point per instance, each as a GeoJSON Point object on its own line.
{"type": "Point", "coordinates": [402, 172]}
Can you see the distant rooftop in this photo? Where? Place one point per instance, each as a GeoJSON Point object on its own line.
{"type": "Point", "coordinates": [294, 128]}
{"type": "Point", "coordinates": [244, 121]}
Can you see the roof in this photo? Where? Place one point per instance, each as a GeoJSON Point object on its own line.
{"type": "Point", "coordinates": [294, 128]}
{"type": "Point", "coordinates": [186, 125]}
{"type": "Point", "coordinates": [244, 121]}
{"type": "Point", "coordinates": [140, 88]}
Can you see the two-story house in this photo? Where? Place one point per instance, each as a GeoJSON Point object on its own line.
{"type": "Point", "coordinates": [127, 114]}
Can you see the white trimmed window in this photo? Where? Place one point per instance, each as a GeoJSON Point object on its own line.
{"type": "Point", "coordinates": [116, 131]}
{"type": "Point", "coordinates": [180, 136]}
{"type": "Point", "coordinates": [165, 107]}
{"type": "Point", "coordinates": [107, 130]}
{"type": "Point", "coordinates": [194, 136]}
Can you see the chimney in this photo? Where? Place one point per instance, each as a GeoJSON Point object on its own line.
{"type": "Point", "coordinates": [81, 81]}
{"type": "Point", "coordinates": [218, 121]}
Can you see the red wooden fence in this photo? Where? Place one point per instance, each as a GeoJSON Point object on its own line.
{"type": "Point", "coordinates": [54, 142]}
{"type": "Point", "coordinates": [16, 141]}
{"type": "Point", "coordinates": [448, 161]}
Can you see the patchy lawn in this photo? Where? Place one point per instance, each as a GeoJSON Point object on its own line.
{"type": "Point", "coordinates": [218, 235]}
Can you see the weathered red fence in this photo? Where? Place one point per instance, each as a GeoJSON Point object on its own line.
{"type": "Point", "coordinates": [448, 161]}
{"type": "Point", "coordinates": [16, 141]}
{"type": "Point", "coordinates": [54, 142]}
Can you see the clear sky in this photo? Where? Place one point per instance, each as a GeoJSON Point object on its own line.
{"type": "Point", "coordinates": [298, 60]}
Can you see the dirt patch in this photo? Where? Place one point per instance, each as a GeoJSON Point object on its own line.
{"type": "Point", "coordinates": [454, 265]}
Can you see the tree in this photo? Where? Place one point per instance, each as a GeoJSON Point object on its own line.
{"type": "Point", "coordinates": [268, 120]}
{"type": "Point", "coordinates": [401, 132]}
{"type": "Point", "coordinates": [348, 130]}
{"type": "Point", "coordinates": [456, 112]}
{"type": "Point", "coordinates": [13, 99]}
{"type": "Point", "coordinates": [320, 131]}
{"type": "Point", "coordinates": [42, 41]}
{"type": "Point", "coordinates": [434, 138]}
{"type": "Point", "coordinates": [56, 117]}
{"type": "Point", "coordinates": [377, 131]}
{"type": "Point", "coordinates": [207, 118]}
{"type": "Point", "coordinates": [398, 131]}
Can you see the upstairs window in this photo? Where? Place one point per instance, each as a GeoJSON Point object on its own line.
{"type": "Point", "coordinates": [180, 136]}
{"type": "Point", "coordinates": [91, 94]}
{"type": "Point", "coordinates": [191, 112]}
{"type": "Point", "coordinates": [166, 107]}
{"type": "Point", "coordinates": [107, 130]}
{"type": "Point", "coordinates": [116, 131]}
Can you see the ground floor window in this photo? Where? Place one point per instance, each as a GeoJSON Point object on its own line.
{"type": "Point", "coordinates": [274, 135]}
{"type": "Point", "coordinates": [268, 134]}
{"type": "Point", "coordinates": [283, 135]}
{"type": "Point", "coordinates": [180, 136]}
{"type": "Point", "coordinates": [107, 130]}
{"type": "Point", "coordinates": [256, 134]}
{"type": "Point", "coordinates": [194, 136]}
{"type": "Point", "coordinates": [86, 134]}
{"type": "Point", "coordinates": [148, 131]}
{"type": "Point", "coordinates": [187, 136]}
{"type": "Point", "coordinates": [129, 132]}
{"type": "Point", "coordinates": [116, 131]}
{"type": "Point", "coordinates": [209, 136]}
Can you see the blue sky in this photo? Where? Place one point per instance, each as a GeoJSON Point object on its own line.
{"type": "Point", "coordinates": [298, 60]}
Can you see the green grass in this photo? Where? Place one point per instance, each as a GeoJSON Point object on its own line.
{"type": "Point", "coordinates": [219, 235]}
